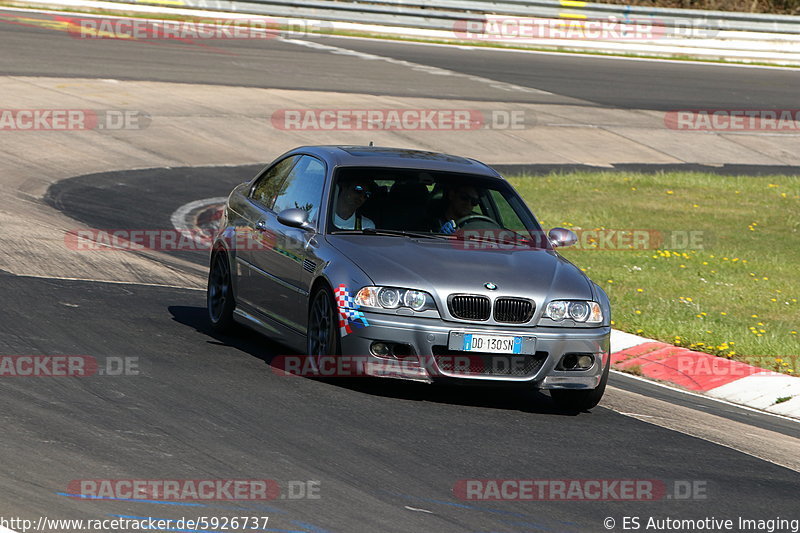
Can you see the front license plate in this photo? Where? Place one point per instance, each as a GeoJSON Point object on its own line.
{"type": "Point", "coordinates": [492, 343]}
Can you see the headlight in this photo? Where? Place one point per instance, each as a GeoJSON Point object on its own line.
{"type": "Point", "coordinates": [577, 310]}
{"type": "Point", "coordinates": [389, 298]}
{"type": "Point", "coordinates": [557, 310]}
{"type": "Point", "coordinates": [394, 297]}
{"type": "Point", "coordinates": [414, 299]}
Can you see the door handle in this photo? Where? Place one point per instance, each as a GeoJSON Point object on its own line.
{"type": "Point", "coordinates": [261, 225]}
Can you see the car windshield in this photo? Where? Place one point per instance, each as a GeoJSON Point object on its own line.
{"type": "Point", "coordinates": [386, 201]}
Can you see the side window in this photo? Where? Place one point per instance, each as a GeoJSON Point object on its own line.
{"type": "Point", "coordinates": [508, 217]}
{"type": "Point", "coordinates": [303, 187]}
{"type": "Point", "coordinates": [268, 185]}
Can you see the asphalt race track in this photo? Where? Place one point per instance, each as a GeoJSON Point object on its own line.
{"type": "Point", "coordinates": [381, 456]}
{"type": "Point", "coordinates": [604, 82]}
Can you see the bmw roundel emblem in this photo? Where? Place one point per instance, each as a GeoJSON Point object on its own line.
{"type": "Point", "coordinates": [491, 286]}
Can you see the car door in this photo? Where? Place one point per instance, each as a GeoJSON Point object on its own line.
{"type": "Point", "coordinates": [287, 267]}
{"type": "Point", "coordinates": [254, 237]}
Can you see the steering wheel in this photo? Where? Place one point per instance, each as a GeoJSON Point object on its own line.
{"type": "Point", "coordinates": [475, 217]}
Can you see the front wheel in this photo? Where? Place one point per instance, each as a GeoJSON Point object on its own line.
{"type": "Point", "coordinates": [219, 294]}
{"type": "Point", "coordinates": [582, 399]}
{"type": "Point", "coordinates": [323, 327]}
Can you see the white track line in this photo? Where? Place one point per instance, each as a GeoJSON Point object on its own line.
{"type": "Point", "coordinates": [696, 395]}
{"type": "Point", "coordinates": [436, 71]}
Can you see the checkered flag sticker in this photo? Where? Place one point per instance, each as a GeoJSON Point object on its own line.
{"type": "Point", "coordinates": [349, 315]}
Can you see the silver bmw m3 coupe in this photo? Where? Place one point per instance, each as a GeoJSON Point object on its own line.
{"type": "Point", "coordinates": [407, 264]}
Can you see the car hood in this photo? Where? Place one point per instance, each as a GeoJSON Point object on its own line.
{"type": "Point", "coordinates": [446, 267]}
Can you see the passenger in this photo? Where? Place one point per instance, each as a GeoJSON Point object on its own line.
{"type": "Point", "coordinates": [353, 192]}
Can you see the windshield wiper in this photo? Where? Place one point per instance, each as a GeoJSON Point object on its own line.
{"type": "Point", "coordinates": [403, 233]}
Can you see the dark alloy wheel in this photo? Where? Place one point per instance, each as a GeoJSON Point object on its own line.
{"type": "Point", "coordinates": [219, 296]}
{"type": "Point", "coordinates": [323, 327]}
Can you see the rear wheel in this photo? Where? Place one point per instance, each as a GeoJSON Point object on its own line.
{"type": "Point", "coordinates": [323, 327]}
{"type": "Point", "coordinates": [582, 399]}
{"type": "Point", "coordinates": [219, 295]}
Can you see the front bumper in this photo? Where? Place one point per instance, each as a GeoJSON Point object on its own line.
{"type": "Point", "coordinates": [429, 358]}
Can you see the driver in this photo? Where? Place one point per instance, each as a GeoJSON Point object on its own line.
{"type": "Point", "coordinates": [353, 192]}
{"type": "Point", "coordinates": [459, 202]}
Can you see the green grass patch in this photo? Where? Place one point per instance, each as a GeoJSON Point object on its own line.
{"type": "Point", "coordinates": [726, 280]}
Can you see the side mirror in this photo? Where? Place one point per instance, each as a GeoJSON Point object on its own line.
{"type": "Point", "coordinates": [562, 237]}
{"type": "Point", "coordinates": [295, 218]}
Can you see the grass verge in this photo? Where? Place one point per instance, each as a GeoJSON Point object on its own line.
{"type": "Point", "coordinates": [720, 271]}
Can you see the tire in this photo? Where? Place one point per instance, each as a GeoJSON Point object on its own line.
{"type": "Point", "coordinates": [322, 332]}
{"type": "Point", "coordinates": [219, 294]}
{"type": "Point", "coordinates": [583, 399]}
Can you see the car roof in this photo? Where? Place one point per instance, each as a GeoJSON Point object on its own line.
{"type": "Point", "coordinates": [379, 156]}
